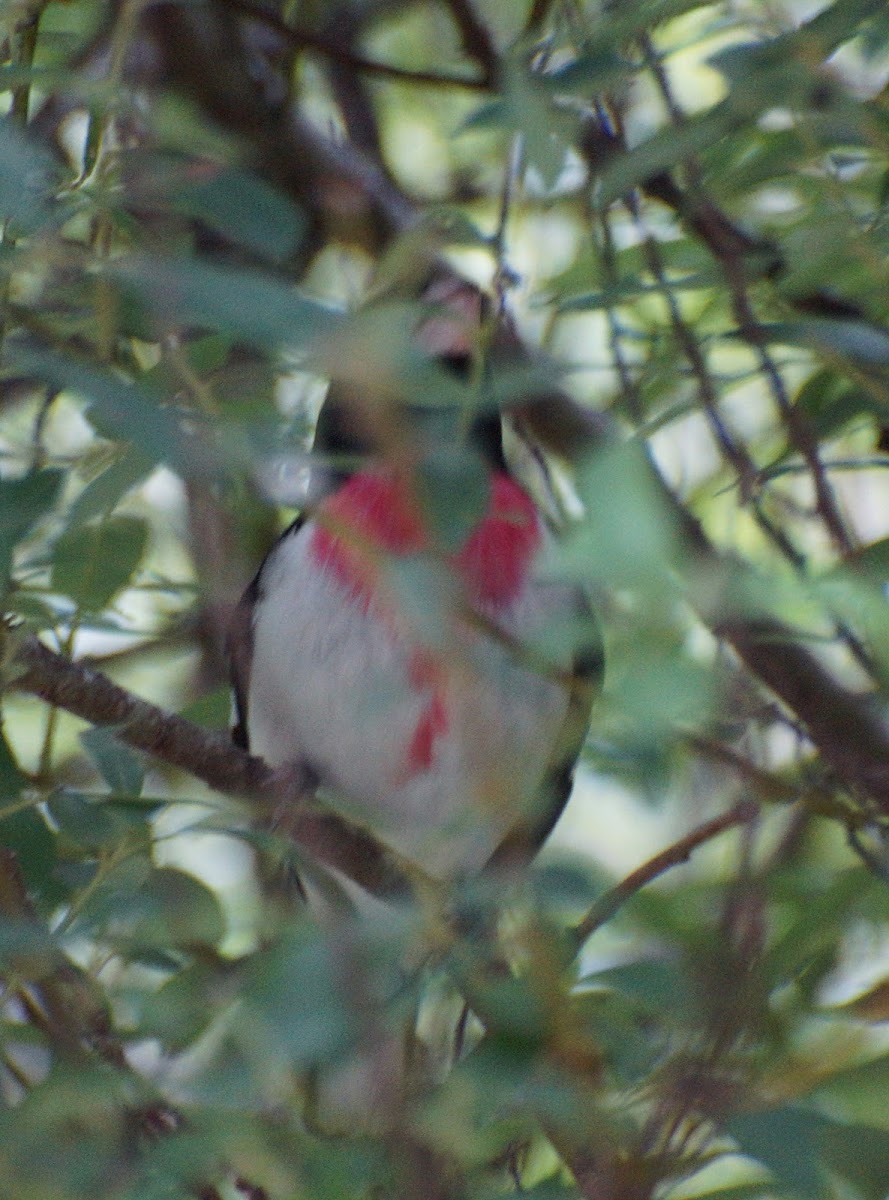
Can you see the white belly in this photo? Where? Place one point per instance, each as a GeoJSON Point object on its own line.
{"type": "Point", "coordinates": [342, 687]}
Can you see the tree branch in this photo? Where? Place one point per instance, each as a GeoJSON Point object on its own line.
{"type": "Point", "coordinates": [214, 759]}
{"type": "Point", "coordinates": [337, 51]}
{"type": "Point", "coordinates": [680, 852]}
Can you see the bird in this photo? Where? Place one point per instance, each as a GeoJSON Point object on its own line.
{"type": "Point", "coordinates": [416, 673]}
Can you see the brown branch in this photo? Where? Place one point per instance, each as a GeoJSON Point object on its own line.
{"type": "Point", "coordinates": [848, 727]}
{"type": "Point", "coordinates": [680, 852]}
{"type": "Point", "coordinates": [207, 754]}
{"type": "Point", "coordinates": [476, 38]}
{"type": "Point", "coordinates": [348, 197]}
{"type": "Point", "coordinates": [344, 25]}
{"type": "Point", "coordinates": [61, 998]}
{"type": "Point", "coordinates": [213, 758]}
{"type": "Point", "coordinates": [307, 39]}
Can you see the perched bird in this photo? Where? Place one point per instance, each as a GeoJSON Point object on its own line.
{"type": "Point", "coordinates": [425, 682]}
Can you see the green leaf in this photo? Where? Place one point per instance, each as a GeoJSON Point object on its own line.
{"type": "Point", "coordinates": [860, 1155]}
{"type": "Point", "coordinates": [850, 1093]}
{"type": "Point", "coordinates": [103, 493]}
{"type": "Point", "coordinates": [453, 489]}
{"type": "Point", "coordinates": [799, 1146]}
{"type": "Point", "coordinates": [180, 1011]}
{"type": "Point", "coordinates": [821, 913]}
{"type": "Point", "coordinates": [25, 832]}
{"type": "Point", "coordinates": [831, 402]}
{"type": "Point", "coordinates": [625, 291]}
{"type": "Point", "coordinates": [787, 1140]}
{"type": "Point", "coordinates": [168, 910]}
{"type": "Point", "coordinates": [117, 409]}
{"type": "Point", "coordinates": [297, 1001]}
{"type": "Point", "coordinates": [597, 68]}
{"type": "Point", "coordinates": [656, 985]}
{"type": "Point", "coordinates": [627, 535]}
{"type": "Point", "coordinates": [22, 503]}
{"type": "Point", "coordinates": [259, 309]}
{"type": "Point", "coordinates": [863, 344]}
{"type": "Point", "coordinates": [92, 563]}
{"type": "Point", "coordinates": [213, 710]}
{"type": "Point", "coordinates": [530, 111]}
{"type": "Point", "coordinates": [662, 151]}
{"type": "Point", "coordinates": [63, 1141]}
{"type": "Point", "coordinates": [26, 175]}
{"type": "Point", "coordinates": [245, 209]}
{"type": "Point", "coordinates": [115, 762]}
{"type": "Point", "coordinates": [90, 821]}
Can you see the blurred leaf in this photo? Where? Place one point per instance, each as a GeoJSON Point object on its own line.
{"type": "Point", "coordinates": [180, 1011]}
{"type": "Point", "coordinates": [453, 489]}
{"type": "Point", "coordinates": [786, 1140]}
{"type": "Point", "coordinates": [830, 402]}
{"type": "Point", "coordinates": [663, 151]}
{"type": "Point", "coordinates": [90, 821]}
{"type": "Point", "coordinates": [103, 493]}
{"type": "Point", "coordinates": [26, 175]}
{"type": "Point", "coordinates": [115, 762]}
{"type": "Point", "coordinates": [630, 1042]}
{"type": "Point", "coordinates": [851, 1092]}
{"type": "Point", "coordinates": [26, 833]}
{"type": "Point", "coordinates": [564, 883]}
{"type": "Point", "coordinates": [798, 1146]}
{"type": "Point", "coordinates": [627, 534]}
{"type": "Point", "coordinates": [482, 1108]}
{"type": "Point", "coordinates": [822, 912]}
{"type": "Point", "coordinates": [213, 710]}
{"type": "Point", "coordinates": [656, 985]}
{"type": "Point", "coordinates": [243, 208]}
{"type": "Point", "coordinates": [260, 309]}
{"type": "Point", "coordinates": [64, 1140]}
{"type": "Point", "coordinates": [22, 503]}
{"type": "Point", "coordinates": [514, 1016]}
{"type": "Point", "coordinates": [863, 344]}
{"type": "Point", "coordinates": [654, 685]}
{"type": "Point", "coordinates": [860, 1155]}
{"type": "Point", "coordinates": [598, 67]}
{"type": "Point", "coordinates": [297, 999]}
{"type": "Point", "coordinates": [26, 948]}
{"type": "Point", "coordinates": [117, 409]}
{"type": "Point", "coordinates": [92, 563]}
{"type": "Point", "coordinates": [542, 1191]}
{"type": "Point", "coordinates": [625, 291]}
{"type": "Point", "coordinates": [166, 911]}
{"type": "Point", "coordinates": [530, 112]}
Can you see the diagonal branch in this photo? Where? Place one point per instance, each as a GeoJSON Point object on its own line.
{"type": "Point", "coordinates": [680, 852]}
{"type": "Point", "coordinates": [214, 759]}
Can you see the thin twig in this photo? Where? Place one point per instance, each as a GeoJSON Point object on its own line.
{"type": "Point", "coordinates": [680, 852]}
{"type": "Point", "coordinates": [731, 262]}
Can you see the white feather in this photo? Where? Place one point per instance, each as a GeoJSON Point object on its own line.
{"type": "Point", "coordinates": [332, 680]}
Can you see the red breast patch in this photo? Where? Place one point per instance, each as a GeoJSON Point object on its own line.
{"type": "Point", "coordinates": [373, 515]}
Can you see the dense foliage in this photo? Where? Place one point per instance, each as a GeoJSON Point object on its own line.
{"type": "Point", "coordinates": [211, 208]}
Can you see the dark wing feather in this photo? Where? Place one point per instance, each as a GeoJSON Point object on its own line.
{"type": "Point", "coordinates": [239, 645]}
{"type": "Point", "coordinates": [583, 684]}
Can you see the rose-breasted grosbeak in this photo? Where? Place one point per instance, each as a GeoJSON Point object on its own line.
{"type": "Point", "coordinates": [416, 679]}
